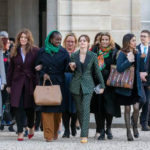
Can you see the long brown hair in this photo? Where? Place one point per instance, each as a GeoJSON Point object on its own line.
{"type": "Point", "coordinates": [126, 43]}
{"type": "Point", "coordinates": [111, 41]}
{"type": "Point", "coordinates": [29, 44]}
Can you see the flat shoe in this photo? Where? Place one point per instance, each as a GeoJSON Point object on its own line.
{"type": "Point", "coordinates": [49, 140]}
{"type": "Point", "coordinates": [30, 136]}
{"type": "Point", "coordinates": [20, 139]}
{"type": "Point", "coordinates": [84, 141]}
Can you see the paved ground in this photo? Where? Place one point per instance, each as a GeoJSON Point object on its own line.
{"type": "Point", "coordinates": [8, 142]}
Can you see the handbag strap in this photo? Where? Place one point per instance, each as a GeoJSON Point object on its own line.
{"type": "Point", "coordinates": [45, 81]}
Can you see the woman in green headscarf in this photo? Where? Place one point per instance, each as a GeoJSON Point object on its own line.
{"type": "Point", "coordinates": [54, 60]}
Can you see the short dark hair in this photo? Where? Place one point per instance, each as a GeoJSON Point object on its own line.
{"type": "Point", "coordinates": [146, 31]}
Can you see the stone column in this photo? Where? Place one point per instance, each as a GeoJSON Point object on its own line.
{"type": "Point", "coordinates": [51, 15]}
{"type": "Point", "coordinates": [125, 18]}
{"type": "Point", "coordinates": [64, 16]}
{"type": "Point", "coordinates": [84, 16]}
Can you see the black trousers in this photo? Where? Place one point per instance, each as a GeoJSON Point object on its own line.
{"type": "Point", "coordinates": [37, 119]}
{"type": "Point", "coordinates": [102, 118]}
{"type": "Point", "coordinates": [20, 118]}
{"type": "Point", "coordinates": [24, 116]}
{"type": "Point", "coordinates": [67, 119]}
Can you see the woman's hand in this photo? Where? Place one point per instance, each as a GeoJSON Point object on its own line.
{"type": "Point", "coordinates": [38, 68]}
{"type": "Point", "coordinates": [46, 77]}
{"type": "Point", "coordinates": [131, 57]}
{"type": "Point", "coordinates": [101, 91]}
{"type": "Point", "coordinates": [72, 66]}
{"type": "Point", "coordinates": [8, 89]}
{"type": "Point", "coordinates": [143, 76]}
{"type": "Point", "coordinates": [2, 86]}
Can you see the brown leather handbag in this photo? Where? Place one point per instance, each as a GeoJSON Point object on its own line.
{"type": "Point", "coordinates": [123, 80]}
{"type": "Point", "coordinates": [47, 95]}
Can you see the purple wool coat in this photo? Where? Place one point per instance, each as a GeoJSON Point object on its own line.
{"type": "Point", "coordinates": [22, 75]}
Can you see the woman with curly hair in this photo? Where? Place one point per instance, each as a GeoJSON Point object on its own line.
{"type": "Point", "coordinates": [104, 105]}
{"type": "Point", "coordinates": [21, 80]}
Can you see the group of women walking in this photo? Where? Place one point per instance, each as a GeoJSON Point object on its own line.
{"type": "Point", "coordinates": [78, 71]}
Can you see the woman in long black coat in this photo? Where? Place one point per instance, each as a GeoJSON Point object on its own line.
{"type": "Point", "coordinates": [54, 60]}
{"type": "Point", "coordinates": [105, 106]}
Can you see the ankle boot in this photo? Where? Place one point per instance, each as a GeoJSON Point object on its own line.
{"type": "Point", "coordinates": [73, 131]}
{"type": "Point", "coordinates": [127, 122]}
{"type": "Point", "coordinates": [102, 135]}
{"type": "Point", "coordinates": [109, 134]}
{"type": "Point", "coordinates": [134, 125]}
{"type": "Point", "coordinates": [129, 135]}
{"type": "Point", "coordinates": [66, 134]}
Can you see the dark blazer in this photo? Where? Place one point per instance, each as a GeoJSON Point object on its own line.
{"type": "Point", "coordinates": [145, 66]}
{"type": "Point", "coordinates": [22, 75]}
{"type": "Point", "coordinates": [122, 65]}
{"type": "Point", "coordinates": [84, 78]}
{"type": "Point", "coordinates": [55, 66]}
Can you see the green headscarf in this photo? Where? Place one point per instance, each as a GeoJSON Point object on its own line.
{"type": "Point", "coordinates": [49, 47]}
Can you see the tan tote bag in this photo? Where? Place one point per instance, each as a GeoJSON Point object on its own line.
{"type": "Point", "coordinates": [47, 95]}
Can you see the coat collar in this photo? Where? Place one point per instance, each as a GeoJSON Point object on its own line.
{"type": "Point", "coordinates": [86, 62]}
{"type": "Point", "coordinates": [139, 48]}
{"type": "Point", "coordinates": [26, 57]}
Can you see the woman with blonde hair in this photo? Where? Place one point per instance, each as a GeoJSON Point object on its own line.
{"type": "Point", "coordinates": [21, 80]}
{"type": "Point", "coordinates": [105, 105]}
{"type": "Point", "coordinates": [69, 116]}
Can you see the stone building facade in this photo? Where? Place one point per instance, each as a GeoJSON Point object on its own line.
{"type": "Point", "coordinates": [79, 16]}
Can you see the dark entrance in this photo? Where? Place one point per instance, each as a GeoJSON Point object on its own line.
{"type": "Point", "coordinates": [42, 22]}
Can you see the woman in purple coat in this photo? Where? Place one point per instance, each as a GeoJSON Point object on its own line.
{"type": "Point", "coordinates": [21, 81]}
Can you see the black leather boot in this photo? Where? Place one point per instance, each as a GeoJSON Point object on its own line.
{"type": "Point", "coordinates": [135, 121]}
{"type": "Point", "coordinates": [127, 122]}
{"type": "Point", "coordinates": [66, 121]}
{"type": "Point", "coordinates": [73, 124]}
{"type": "Point", "coordinates": [109, 134]}
{"type": "Point", "coordinates": [129, 135]}
{"type": "Point", "coordinates": [102, 135]}
{"type": "Point", "coordinates": [66, 135]}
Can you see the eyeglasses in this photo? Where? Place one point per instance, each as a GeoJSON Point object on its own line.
{"type": "Point", "coordinates": [70, 42]}
{"type": "Point", "coordinates": [144, 36]}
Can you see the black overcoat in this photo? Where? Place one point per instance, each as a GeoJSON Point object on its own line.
{"type": "Point", "coordinates": [55, 66]}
